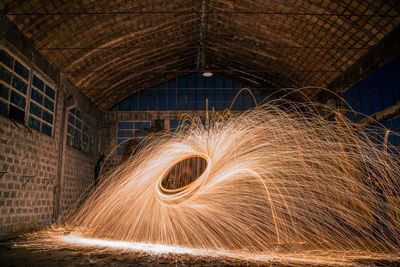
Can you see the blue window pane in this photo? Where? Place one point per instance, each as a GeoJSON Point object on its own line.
{"type": "Point", "coordinates": [132, 103]}
{"type": "Point", "coordinates": [143, 100]}
{"type": "Point", "coordinates": [124, 105]}
{"type": "Point", "coordinates": [70, 140]}
{"type": "Point", "coordinates": [228, 98]}
{"type": "Point", "coordinates": [38, 83]}
{"type": "Point", "coordinates": [4, 92]}
{"type": "Point", "coordinates": [218, 83]}
{"type": "Point", "coordinates": [385, 86]}
{"type": "Point", "coordinates": [71, 118]}
{"type": "Point", "coordinates": [70, 130]}
{"type": "Point", "coordinates": [191, 94]}
{"type": "Point", "coordinates": [190, 80]}
{"type": "Point", "coordinates": [37, 96]}
{"type": "Point", "coordinates": [387, 124]}
{"type": "Point", "coordinates": [219, 100]}
{"type": "Point", "coordinates": [125, 125]}
{"type": "Point", "coordinates": [77, 139]}
{"type": "Point", "coordinates": [374, 94]}
{"type": "Point", "coordinates": [78, 124]}
{"type": "Point", "coordinates": [34, 123]}
{"type": "Point", "coordinates": [228, 83]}
{"type": "Point", "coordinates": [358, 107]}
{"type": "Point", "coordinates": [238, 104]}
{"type": "Point", "coordinates": [85, 138]}
{"type": "Point", "coordinates": [237, 85]}
{"type": "Point", "coordinates": [181, 83]}
{"type": "Point", "coordinates": [49, 104]}
{"type": "Point", "coordinates": [163, 100]}
{"type": "Point", "coordinates": [257, 96]}
{"type": "Point", "coordinates": [211, 98]}
{"type": "Point", "coordinates": [200, 81]}
{"type": "Point", "coordinates": [363, 102]}
{"type": "Point", "coordinates": [6, 58]}
{"type": "Point", "coordinates": [209, 82]}
{"type": "Point", "coordinates": [125, 133]}
{"type": "Point", "coordinates": [78, 114]}
{"type": "Point", "coordinates": [201, 99]}
{"type": "Point", "coordinates": [173, 124]}
{"type": "Point", "coordinates": [190, 99]}
{"type": "Point", "coordinates": [247, 101]}
{"type": "Point", "coordinates": [153, 99]}
{"type": "Point", "coordinates": [17, 100]}
{"type": "Point", "coordinates": [47, 116]}
{"type": "Point", "coordinates": [395, 77]}
{"type": "Point", "coordinates": [5, 75]}
{"type": "Point", "coordinates": [181, 105]}
{"type": "Point", "coordinates": [142, 124]}
{"type": "Point", "coordinates": [35, 110]}
{"type": "Point", "coordinates": [172, 99]}
{"type": "Point", "coordinates": [351, 99]}
{"type": "Point", "coordinates": [21, 70]}
{"type": "Point", "coordinates": [396, 123]}
{"type": "Point", "coordinates": [50, 92]}
{"type": "Point", "coordinates": [20, 85]}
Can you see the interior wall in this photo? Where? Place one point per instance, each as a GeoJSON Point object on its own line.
{"type": "Point", "coordinates": [35, 167]}
{"type": "Point", "coordinates": [28, 163]}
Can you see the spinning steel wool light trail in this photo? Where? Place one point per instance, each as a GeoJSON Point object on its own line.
{"type": "Point", "coordinates": [278, 176]}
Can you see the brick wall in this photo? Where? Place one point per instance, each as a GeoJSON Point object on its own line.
{"type": "Point", "coordinates": [78, 178]}
{"type": "Point", "coordinates": [31, 162]}
{"type": "Point", "coordinates": [28, 165]}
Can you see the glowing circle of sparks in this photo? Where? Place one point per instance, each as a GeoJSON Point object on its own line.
{"type": "Point", "coordinates": [274, 176]}
{"type": "Point", "coordinates": [175, 196]}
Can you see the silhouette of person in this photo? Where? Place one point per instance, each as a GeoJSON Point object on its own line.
{"type": "Point", "coordinates": [97, 169]}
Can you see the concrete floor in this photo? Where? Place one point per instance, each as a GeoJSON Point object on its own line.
{"type": "Point", "coordinates": [16, 256]}
{"type": "Point", "coordinates": [11, 255]}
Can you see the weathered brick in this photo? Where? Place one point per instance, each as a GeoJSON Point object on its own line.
{"type": "Point", "coordinates": [28, 203]}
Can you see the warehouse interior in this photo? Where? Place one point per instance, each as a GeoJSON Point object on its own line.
{"type": "Point", "coordinates": [84, 82]}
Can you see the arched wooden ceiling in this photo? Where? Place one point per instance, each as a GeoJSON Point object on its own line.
{"type": "Point", "coordinates": [110, 49]}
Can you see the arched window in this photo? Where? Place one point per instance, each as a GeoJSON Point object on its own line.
{"type": "Point", "coordinates": [190, 92]}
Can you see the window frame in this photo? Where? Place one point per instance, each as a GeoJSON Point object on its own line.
{"type": "Point", "coordinates": [33, 70]}
{"type": "Point", "coordinates": [11, 87]}
{"type": "Point", "coordinates": [133, 130]}
{"type": "Point", "coordinates": [84, 120]}
{"type": "Point", "coordinates": [46, 82]}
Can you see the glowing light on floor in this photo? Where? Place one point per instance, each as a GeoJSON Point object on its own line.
{"type": "Point", "coordinates": [124, 245]}
{"type": "Point", "coordinates": [75, 240]}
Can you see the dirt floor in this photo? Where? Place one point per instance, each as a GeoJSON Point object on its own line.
{"type": "Point", "coordinates": [11, 255]}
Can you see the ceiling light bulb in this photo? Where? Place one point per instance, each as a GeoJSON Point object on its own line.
{"type": "Point", "coordinates": [207, 74]}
